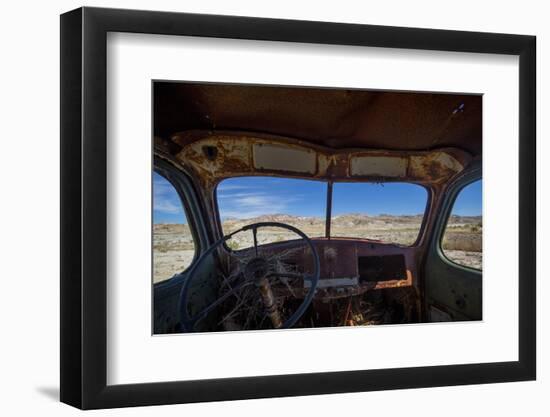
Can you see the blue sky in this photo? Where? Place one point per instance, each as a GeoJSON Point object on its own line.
{"type": "Point", "coordinates": [255, 196]}
{"type": "Point", "coordinates": [247, 197]}
{"type": "Point", "coordinates": [167, 206]}
{"type": "Point", "coordinates": [374, 199]}
{"type": "Point", "coordinates": [468, 202]}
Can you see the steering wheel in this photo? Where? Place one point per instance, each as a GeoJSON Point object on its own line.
{"type": "Point", "coordinates": [257, 274]}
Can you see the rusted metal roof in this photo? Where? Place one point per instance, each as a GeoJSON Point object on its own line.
{"type": "Point", "coordinates": [334, 118]}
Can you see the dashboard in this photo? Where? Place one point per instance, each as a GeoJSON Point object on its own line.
{"type": "Point", "coordinates": [352, 266]}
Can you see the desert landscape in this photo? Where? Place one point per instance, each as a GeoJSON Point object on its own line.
{"type": "Point", "coordinates": [173, 248]}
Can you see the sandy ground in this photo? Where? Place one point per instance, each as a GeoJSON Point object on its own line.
{"type": "Point", "coordinates": [173, 248]}
{"type": "Point", "coordinates": [471, 259]}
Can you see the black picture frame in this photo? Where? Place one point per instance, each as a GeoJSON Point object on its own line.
{"type": "Point", "coordinates": [84, 207]}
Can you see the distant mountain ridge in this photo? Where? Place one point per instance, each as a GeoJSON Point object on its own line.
{"type": "Point", "coordinates": [279, 217]}
{"type": "Point", "coordinates": [348, 218]}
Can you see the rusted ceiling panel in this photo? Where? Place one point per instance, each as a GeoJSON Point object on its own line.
{"type": "Point", "coordinates": [334, 118]}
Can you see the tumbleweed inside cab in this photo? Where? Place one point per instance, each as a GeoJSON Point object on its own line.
{"type": "Point", "coordinates": [309, 207]}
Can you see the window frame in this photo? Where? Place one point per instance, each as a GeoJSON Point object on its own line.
{"type": "Point", "coordinates": [182, 184]}
{"type": "Point", "coordinates": [453, 192]}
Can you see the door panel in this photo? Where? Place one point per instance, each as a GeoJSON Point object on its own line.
{"type": "Point", "coordinates": [166, 294]}
{"type": "Point", "coordinates": [453, 292]}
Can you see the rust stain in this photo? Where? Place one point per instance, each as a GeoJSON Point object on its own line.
{"type": "Point", "coordinates": [439, 166]}
{"type": "Point", "coordinates": [231, 154]}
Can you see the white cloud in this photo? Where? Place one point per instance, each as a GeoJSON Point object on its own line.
{"type": "Point", "coordinates": [165, 198]}
{"type": "Point", "coordinates": [234, 196]}
{"type": "Point", "coordinates": [165, 205]}
{"type": "Point", "coordinates": [248, 205]}
{"type": "Point", "coordinates": [223, 187]}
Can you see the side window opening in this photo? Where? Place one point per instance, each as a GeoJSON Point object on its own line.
{"type": "Point", "coordinates": [173, 244]}
{"type": "Point", "coordinates": [462, 239]}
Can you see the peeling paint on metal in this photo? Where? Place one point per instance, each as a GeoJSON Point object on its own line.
{"type": "Point", "coordinates": [248, 154]}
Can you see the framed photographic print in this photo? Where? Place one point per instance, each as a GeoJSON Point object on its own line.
{"type": "Point", "coordinates": [257, 208]}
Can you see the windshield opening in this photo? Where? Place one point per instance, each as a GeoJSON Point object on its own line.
{"type": "Point", "coordinates": [388, 212]}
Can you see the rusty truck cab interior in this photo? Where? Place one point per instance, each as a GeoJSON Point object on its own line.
{"type": "Point", "coordinates": [263, 270]}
